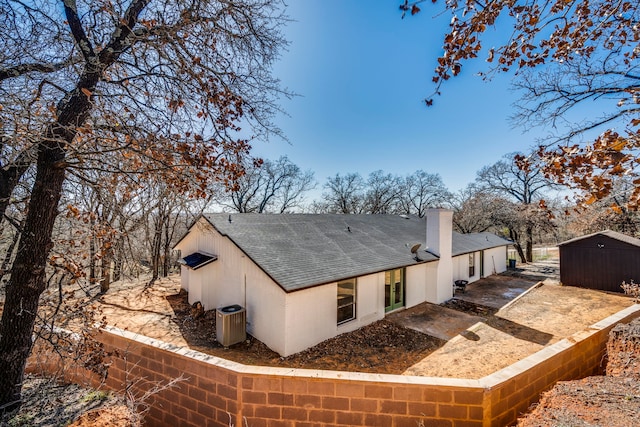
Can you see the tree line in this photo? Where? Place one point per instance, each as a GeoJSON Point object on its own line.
{"type": "Point", "coordinates": [512, 197]}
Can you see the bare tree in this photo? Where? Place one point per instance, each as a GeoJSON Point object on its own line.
{"type": "Point", "coordinates": [611, 212]}
{"type": "Point", "coordinates": [567, 54]}
{"type": "Point", "coordinates": [137, 87]}
{"type": "Point", "coordinates": [382, 193]}
{"type": "Point", "coordinates": [421, 191]}
{"type": "Point", "coordinates": [344, 194]}
{"type": "Point", "coordinates": [522, 180]}
{"type": "Point", "coordinates": [473, 210]}
{"type": "Point", "coordinates": [166, 210]}
{"type": "Point", "coordinates": [267, 186]}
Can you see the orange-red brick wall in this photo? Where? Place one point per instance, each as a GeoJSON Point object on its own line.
{"type": "Point", "coordinates": [219, 393]}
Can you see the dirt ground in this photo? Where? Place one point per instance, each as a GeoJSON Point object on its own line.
{"type": "Point", "coordinates": [375, 348]}
{"type": "Point", "coordinates": [590, 402]}
{"type": "Point", "coordinates": [611, 400]}
{"type": "Point", "coordinates": [544, 315]}
{"type": "Point", "coordinates": [481, 339]}
{"type": "Point", "coordinates": [47, 403]}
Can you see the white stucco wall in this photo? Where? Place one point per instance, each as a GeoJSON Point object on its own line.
{"type": "Point", "coordinates": [370, 303]}
{"type": "Point", "coordinates": [439, 242]}
{"type": "Point", "coordinates": [195, 285]}
{"type": "Point", "coordinates": [184, 278]}
{"type": "Point", "coordinates": [221, 282]}
{"type": "Point", "coordinates": [432, 276]}
{"type": "Point", "coordinates": [416, 281]}
{"type": "Point", "coordinates": [461, 267]}
{"type": "Point", "coordinates": [312, 313]}
{"type": "Point", "coordinates": [234, 279]}
{"type": "Point", "coordinates": [266, 310]}
{"type": "Point", "coordinates": [458, 266]}
{"type": "Point", "coordinates": [495, 260]}
{"type": "Point", "coordinates": [310, 318]}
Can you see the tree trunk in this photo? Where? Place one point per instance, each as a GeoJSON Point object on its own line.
{"type": "Point", "coordinates": [105, 280]}
{"type": "Point", "coordinates": [169, 227]}
{"type": "Point", "coordinates": [118, 259]}
{"type": "Point", "coordinates": [155, 251]}
{"type": "Point", "coordinates": [166, 267]}
{"type": "Point", "coordinates": [514, 238]}
{"type": "Point", "coordinates": [27, 280]}
{"type": "Point", "coordinates": [529, 244]}
{"type": "Point", "coordinates": [92, 258]}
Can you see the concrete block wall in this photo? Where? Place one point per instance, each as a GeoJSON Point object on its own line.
{"type": "Point", "coordinates": [218, 392]}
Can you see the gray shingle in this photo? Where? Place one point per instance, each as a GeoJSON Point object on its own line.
{"type": "Point", "coordinates": [303, 250]}
{"type": "Point", "coordinates": [467, 243]}
{"type": "Point", "coordinates": [609, 233]}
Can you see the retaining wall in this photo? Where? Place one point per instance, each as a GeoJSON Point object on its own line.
{"type": "Point", "coordinates": [218, 392]}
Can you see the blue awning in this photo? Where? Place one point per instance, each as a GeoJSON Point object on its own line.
{"type": "Point", "coordinates": [197, 260]}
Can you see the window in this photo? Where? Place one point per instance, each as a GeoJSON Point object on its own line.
{"type": "Point", "coordinates": [346, 300]}
{"type": "Point", "coordinates": [472, 267]}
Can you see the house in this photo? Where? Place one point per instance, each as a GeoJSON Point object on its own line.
{"type": "Point", "coordinates": [305, 278]}
{"type": "Point", "coordinates": [600, 260]}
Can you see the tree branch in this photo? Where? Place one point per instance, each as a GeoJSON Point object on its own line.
{"type": "Point", "coordinates": [19, 70]}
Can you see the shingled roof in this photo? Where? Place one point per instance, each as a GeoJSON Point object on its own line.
{"type": "Point", "coordinates": [473, 242]}
{"type": "Point", "coordinates": [299, 251]}
{"type": "Point", "coordinates": [609, 233]}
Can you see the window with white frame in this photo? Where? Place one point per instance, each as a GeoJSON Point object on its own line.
{"type": "Point", "coordinates": [472, 265]}
{"type": "Point", "coordinates": [346, 300]}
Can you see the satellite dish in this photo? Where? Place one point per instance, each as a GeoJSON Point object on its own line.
{"type": "Point", "coordinates": [414, 250]}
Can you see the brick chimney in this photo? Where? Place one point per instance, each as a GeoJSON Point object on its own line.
{"type": "Point", "coordinates": [439, 242]}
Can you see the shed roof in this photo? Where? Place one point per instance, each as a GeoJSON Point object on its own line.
{"type": "Point", "coordinates": [303, 250]}
{"type": "Point", "coordinates": [609, 233]}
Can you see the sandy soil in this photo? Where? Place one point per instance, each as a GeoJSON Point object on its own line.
{"type": "Point", "coordinates": [542, 316]}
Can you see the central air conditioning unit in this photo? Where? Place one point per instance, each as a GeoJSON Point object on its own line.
{"type": "Point", "coordinates": [231, 325]}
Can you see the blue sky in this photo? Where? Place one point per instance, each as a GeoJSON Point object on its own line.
{"type": "Point", "coordinates": [362, 74]}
